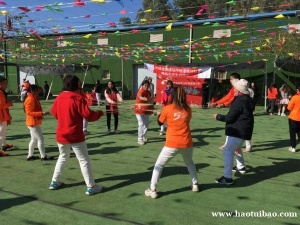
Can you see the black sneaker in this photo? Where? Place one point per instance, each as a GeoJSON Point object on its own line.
{"type": "Point", "coordinates": [31, 158]}
{"type": "Point", "coordinates": [47, 158]}
{"type": "Point", "coordinates": [224, 180]}
{"type": "Point", "coordinates": [242, 170]}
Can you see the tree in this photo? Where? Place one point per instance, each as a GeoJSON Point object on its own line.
{"type": "Point", "coordinates": [125, 21]}
{"type": "Point", "coordinates": [160, 11]}
{"type": "Point", "coordinates": [189, 7]}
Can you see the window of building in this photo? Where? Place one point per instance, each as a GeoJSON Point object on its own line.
{"type": "Point", "coordinates": [220, 75]}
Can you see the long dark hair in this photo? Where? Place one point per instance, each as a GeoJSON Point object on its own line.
{"type": "Point", "coordinates": [114, 89]}
{"type": "Point", "coordinates": [179, 98]}
{"type": "Point", "coordinates": [70, 83]}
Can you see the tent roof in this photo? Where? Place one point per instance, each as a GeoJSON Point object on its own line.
{"type": "Point", "coordinates": [289, 64]}
{"type": "Point", "coordinates": [223, 66]}
{"type": "Point", "coordinates": [56, 70]}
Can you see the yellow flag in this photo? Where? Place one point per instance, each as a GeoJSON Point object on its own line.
{"type": "Point", "coordinates": [257, 48]}
{"type": "Point", "coordinates": [143, 20]}
{"type": "Point", "coordinates": [255, 8]}
{"type": "Point", "coordinates": [280, 16]}
{"type": "Point", "coordinates": [169, 27]}
{"type": "Point", "coordinates": [148, 10]}
{"type": "Point", "coordinates": [87, 36]}
{"type": "Point", "coordinates": [238, 41]}
{"type": "Point", "coordinates": [4, 12]}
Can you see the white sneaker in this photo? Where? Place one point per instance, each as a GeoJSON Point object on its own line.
{"type": "Point", "coordinates": [86, 132]}
{"type": "Point", "coordinates": [195, 188]}
{"type": "Point", "coordinates": [292, 149]}
{"type": "Point", "coordinates": [117, 131]}
{"type": "Point", "coordinates": [141, 142]}
{"type": "Point", "coordinates": [55, 185]}
{"type": "Point", "coordinates": [150, 193]}
{"type": "Point", "coordinates": [108, 131]}
{"type": "Point", "coordinates": [93, 190]}
{"type": "Point", "coordinates": [282, 114]}
{"type": "Point", "coordinates": [278, 113]}
{"type": "Point", "coordinates": [161, 133]}
{"type": "Point", "coordinates": [145, 139]}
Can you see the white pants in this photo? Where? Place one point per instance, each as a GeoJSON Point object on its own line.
{"type": "Point", "coordinates": [166, 155]}
{"type": "Point", "coordinates": [233, 144]}
{"type": "Point", "coordinates": [3, 132]}
{"type": "Point", "coordinates": [98, 97]}
{"type": "Point", "coordinates": [81, 152]}
{"type": "Point", "coordinates": [37, 138]}
{"type": "Point", "coordinates": [143, 123]}
{"type": "Point", "coordinates": [85, 124]}
{"type": "Point", "coordinates": [162, 128]}
{"type": "Point", "coordinates": [23, 95]}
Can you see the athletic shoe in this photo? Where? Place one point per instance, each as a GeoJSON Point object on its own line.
{"type": "Point", "coordinates": [141, 142]}
{"type": "Point", "coordinates": [46, 158]}
{"type": "Point", "coordinates": [282, 114]}
{"type": "Point", "coordinates": [161, 133]}
{"type": "Point", "coordinates": [55, 185]}
{"type": "Point", "coordinates": [221, 147]}
{"type": "Point", "coordinates": [291, 149]}
{"type": "Point", "coordinates": [247, 150]}
{"type": "Point", "coordinates": [145, 139]}
{"type": "Point", "coordinates": [117, 131]}
{"type": "Point", "coordinates": [31, 158]}
{"type": "Point", "coordinates": [2, 153]}
{"type": "Point", "coordinates": [195, 188]}
{"type": "Point", "coordinates": [93, 190]}
{"type": "Point", "coordinates": [86, 132]}
{"type": "Point", "coordinates": [7, 146]}
{"type": "Point", "coordinates": [278, 113]}
{"type": "Point", "coordinates": [150, 193]}
{"type": "Point", "coordinates": [108, 131]}
{"type": "Point", "coordinates": [242, 170]}
{"type": "Point", "coordinates": [224, 180]}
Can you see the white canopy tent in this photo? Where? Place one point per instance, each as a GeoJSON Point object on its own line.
{"type": "Point", "coordinates": [60, 71]}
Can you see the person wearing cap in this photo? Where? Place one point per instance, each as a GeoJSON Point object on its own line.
{"type": "Point", "coordinates": [239, 127]}
{"type": "Point", "coordinates": [5, 117]}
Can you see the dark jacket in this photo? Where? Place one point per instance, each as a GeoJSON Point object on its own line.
{"type": "Point", "coordinates": [239, 120]}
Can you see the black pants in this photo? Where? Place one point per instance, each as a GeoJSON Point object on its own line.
{"type": "Point", "coordinates": [271, 105]}
{"type": "Point", "coordinates": [108, 117]}
{"type": "Point", "coordinates": [294, 127]}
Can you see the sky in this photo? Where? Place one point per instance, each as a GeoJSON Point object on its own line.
{"type": "Point", "coordinates": [50, 16]}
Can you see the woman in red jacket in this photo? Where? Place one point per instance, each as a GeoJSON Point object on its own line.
{"type": "Point", "coordinates": [69, 109]}
{"type": "Point", "coordinates": [34, 117]}
{"type": "Point", "coordinates": [272, 98]}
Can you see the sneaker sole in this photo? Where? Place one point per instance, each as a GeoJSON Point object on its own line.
{"type": "Point", "coordinates": [149, 195]}
{"type": "Point", "coordinates": [224, 183]}
{"type": "Point", "coordinates": [239, 171]}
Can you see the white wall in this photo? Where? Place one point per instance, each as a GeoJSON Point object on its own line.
{"type": "Point", "coordinates": [30, 78]}
{"type": "Point", "coordinates": [139, 76]}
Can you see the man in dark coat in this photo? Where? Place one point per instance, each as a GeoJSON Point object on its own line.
{"type": "Point", "coordinates": [239, 127]}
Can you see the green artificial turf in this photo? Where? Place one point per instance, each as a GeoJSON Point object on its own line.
{"type": "Point", "coordinates": [124, 168]}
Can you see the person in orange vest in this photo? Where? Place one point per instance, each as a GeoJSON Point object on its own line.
{"type": "Point", "coordinates": [34, 117]}
{"type": "Point", "coordinates": [143, 99]}
{"type": "Point", "coordinates": [5, 117]}
{"type": "Point", "coordinates": [178, 115]}
{"type": "Point", "coordinates": [294, 119]}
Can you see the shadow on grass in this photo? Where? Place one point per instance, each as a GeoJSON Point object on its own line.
{"type": "Point", "coordinates": [261, 173]}
{"type": "Point", "coordinates": [130, 179]}
{"type": "Point", "coordinates": [11, 202]}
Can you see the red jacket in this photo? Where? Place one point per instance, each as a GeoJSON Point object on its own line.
{"type": "Point", "coordinates": [33, 110]}
{"type": "Point", "coordinates": [69, 109]}
{"type": "Point", "coordinates": [227, 99]}
{"type": "Point", "coordinates": [4, 105]}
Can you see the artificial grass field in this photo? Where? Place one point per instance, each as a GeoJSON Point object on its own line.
{"type": "Point", "coordinates": [124, 169]}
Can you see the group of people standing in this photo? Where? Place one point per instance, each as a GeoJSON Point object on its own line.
{"type": "Point", "coordinates": [70, 109]}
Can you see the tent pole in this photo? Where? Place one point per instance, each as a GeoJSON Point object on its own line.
{"type": "Point", "coordinates": [190, 45]}
{"type": "Point", "coordinates": [87, 67]}
{"type": "Point", "coordinates": [50, 87]}
{"type": "Point", "coordinates": [122, 73]}
{"type": "Point", "coordinates": [266, 87]}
